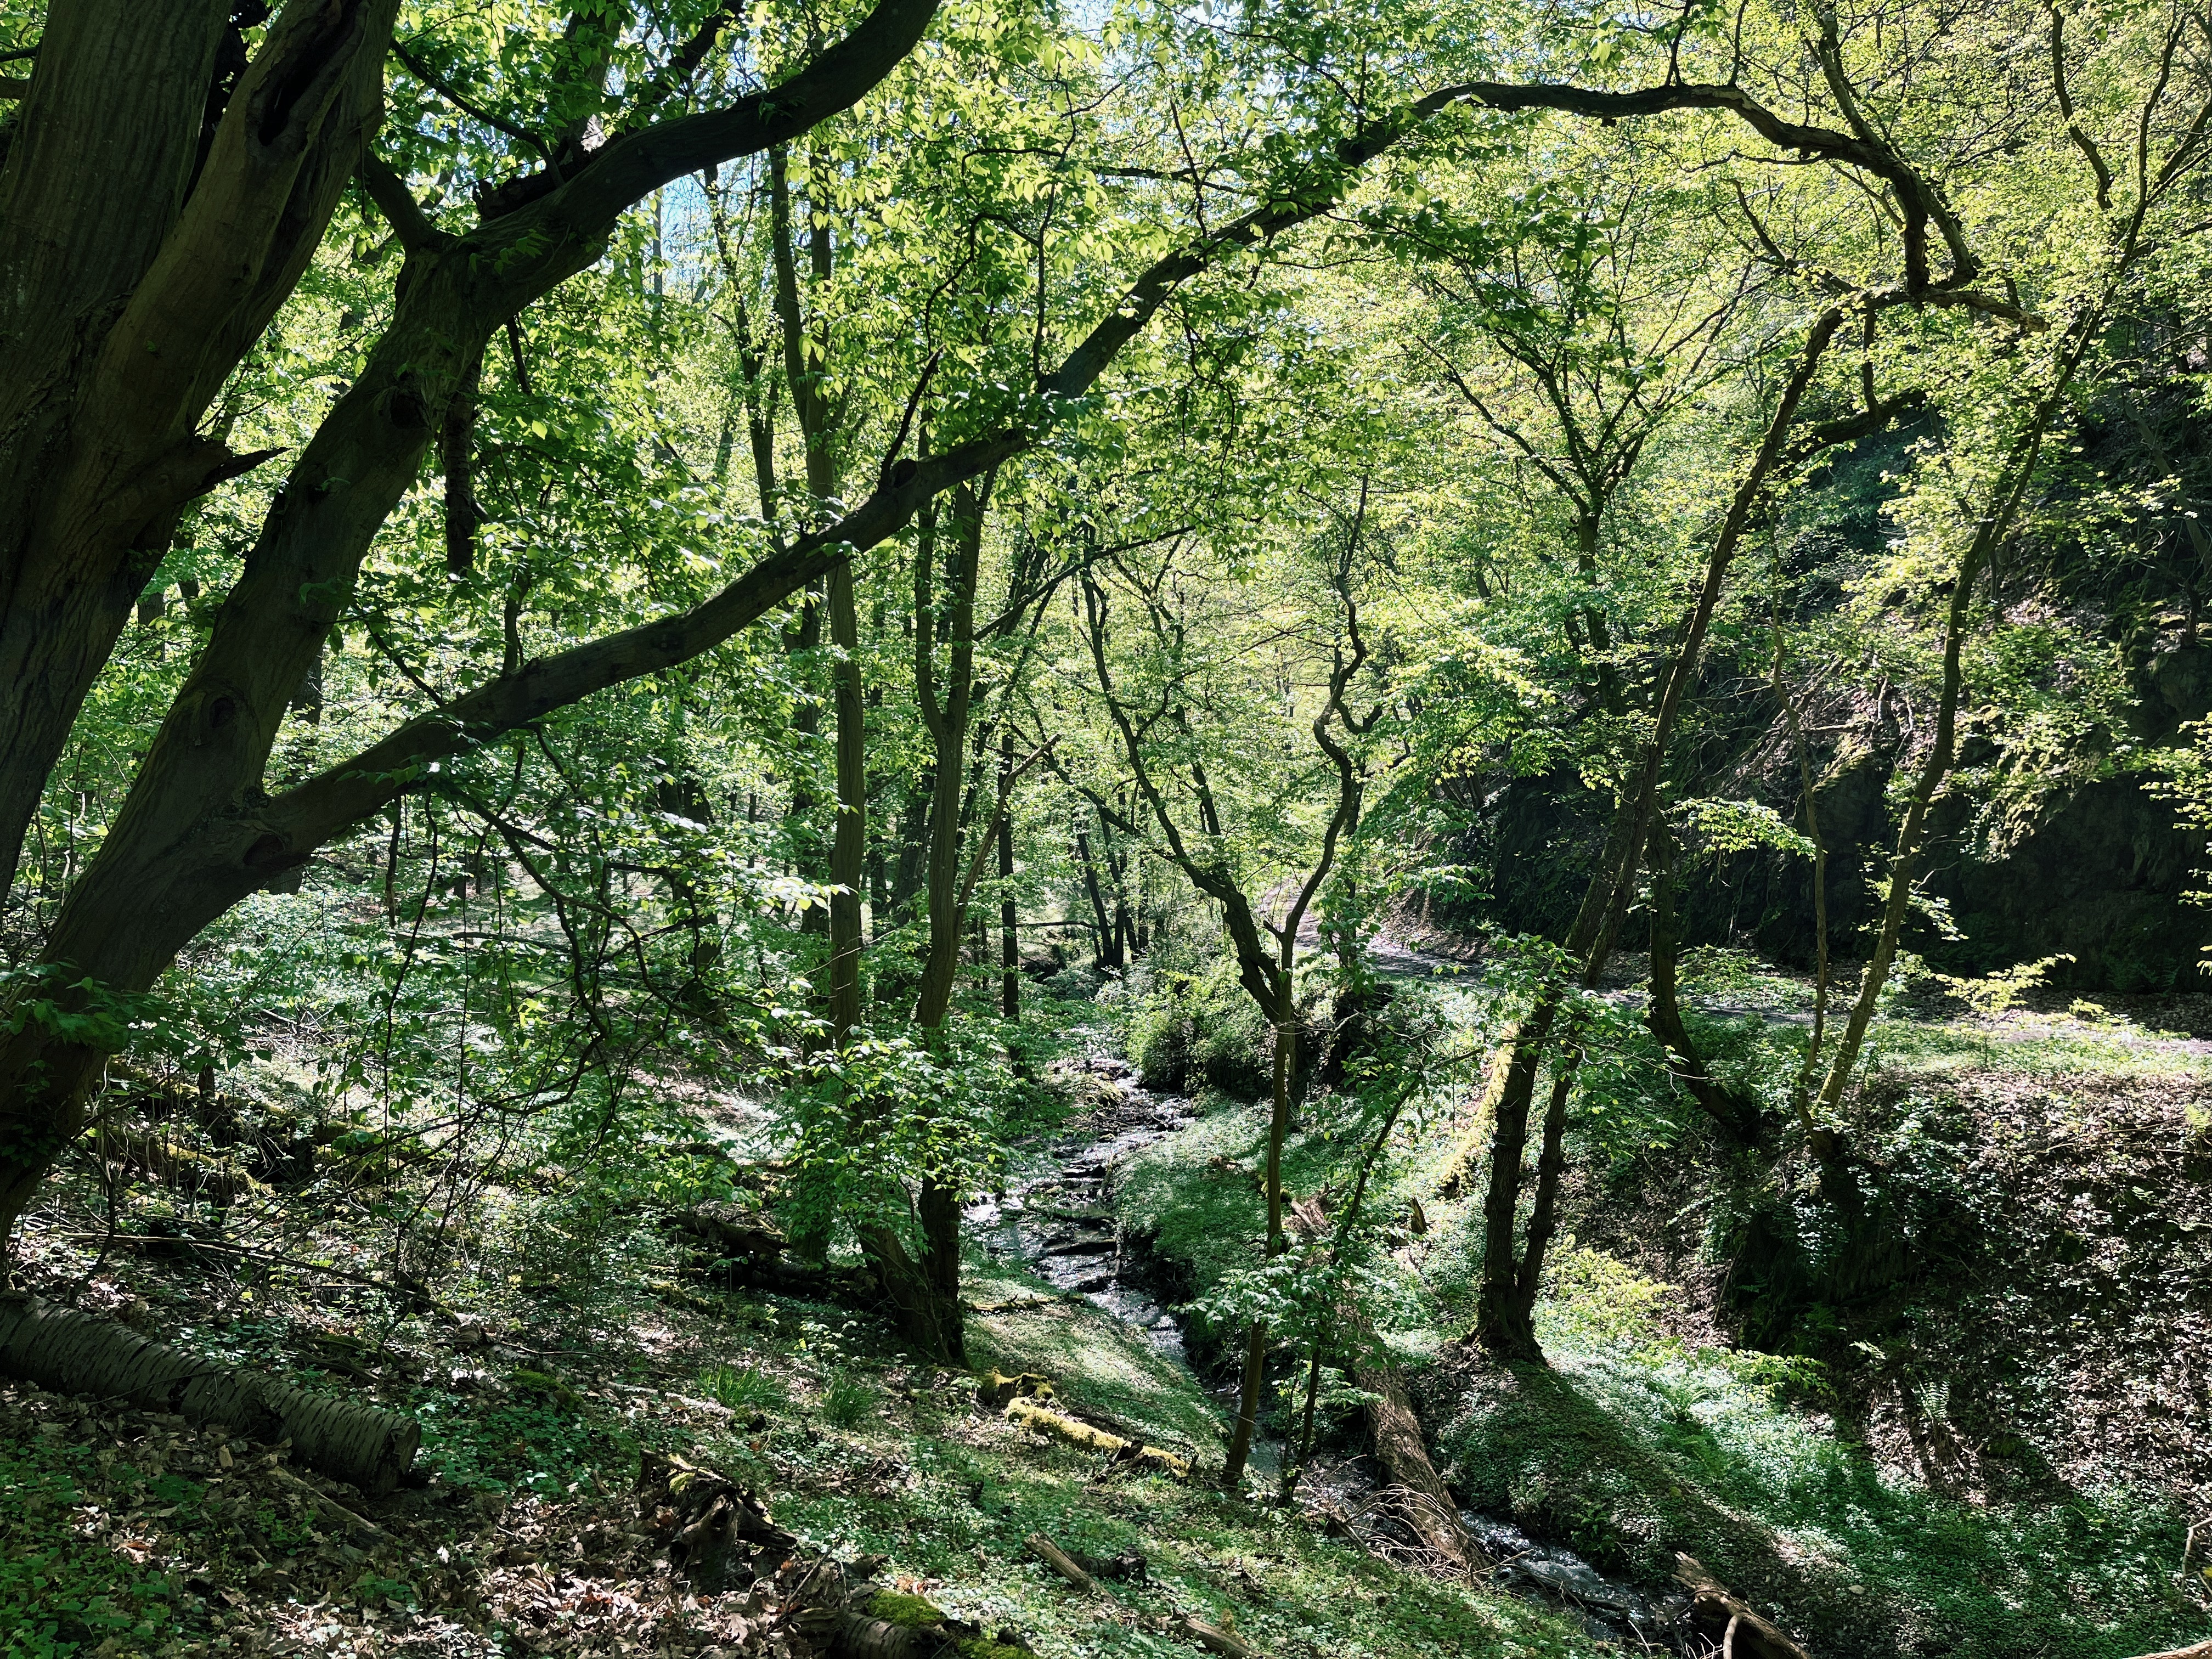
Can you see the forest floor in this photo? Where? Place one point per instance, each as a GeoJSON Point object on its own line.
{"type": "Point", "coordinates": [1997, 1456]}
{"type": "Point", "coordinates": [122, 1533]}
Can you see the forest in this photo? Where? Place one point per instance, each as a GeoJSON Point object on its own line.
{"type": "Point", "coordinates": [1310, 828]}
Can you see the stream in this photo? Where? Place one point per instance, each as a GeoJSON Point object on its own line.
{"type": "Point", "coordinates": [1055, 1218]}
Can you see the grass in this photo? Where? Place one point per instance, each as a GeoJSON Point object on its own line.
{"type": "Point", "coordinates": [949, 1496]}
{"type": "Point", "coordinates": [1631, 1456]}
{"type": "Point", "coordinates": [1635, 1446]}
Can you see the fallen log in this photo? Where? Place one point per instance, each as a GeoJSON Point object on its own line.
{"type": "Point", "coordinates": [1399, 1446]}
{"type": "Point", "coordinates": [72, 1352]}
{"type": "Point", "coordinates": [732, 1229]}
{"type": "Point", "coordinates": [1730, 1621]}
{"type": "Point", "coordinates": [160, 1160]}
{"type": "Point", "coordinates": [1058, 1560]}
{"type": "Point", "coordinates": [1044, 1420]}
{"type": "Point", "coordinates": [1214, 1639]}
{"type": "Point", "coordinates": [1015, 1304]}
{"type": "Point", "coordinates": [720, 1536]}
{"type": "Point", "coordinates": [1403, 1452]}
{"type": "Point", "coordinates": [2201, 1651]}
{"type": "Point", "coordinates": [994, 1388]}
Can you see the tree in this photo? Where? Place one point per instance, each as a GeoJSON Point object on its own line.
{"type": "Point", "coordinates": [1177, 730]}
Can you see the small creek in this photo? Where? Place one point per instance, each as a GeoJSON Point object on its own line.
{"type": "Point", "coordinates": [1055, 1216]}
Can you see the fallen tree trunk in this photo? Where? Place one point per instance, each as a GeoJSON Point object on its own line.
{"type": "Point", "coordinates": [1399, 1446]}
{"type": "Point", "coordinates": [2201, 1651]}
{"type": "Point", "coordinates": [1403, 1452]}
{"type": "Point", "coordinates": [1214, 1639]}
{"type": "Point", "coordinates": [171, 1165]}
{"type": "Point", "coordinates": [1742, 1633]}
{"type": "Point", "coordinates": [1058, 1560]}
{"type": "Point", "coordinates": [73, 1352]}
{"type": "Point", "coordinates": [1044, 1420]}
{"type": "Point", "coordinates": [720, 1538]}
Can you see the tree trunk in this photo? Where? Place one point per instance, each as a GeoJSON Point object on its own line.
{"type": "Point", "coordinates": [1500, 1327]}
{"type": "Point", "coordinates": [933, 1288]}
{"type": "Point", "coordinates": [1403, 1451]}
{"type": "Point", "coordinates": [849, 849]}
{"type": "Point", "coordinates": [1738, 1118]}
{"type": "Point", "coordinates": [1009, 943]}
{"type": "Point", "coordinates": [1106, 942]}
{"type": "Point", "coordinates": [2008, 492]}
{"type": "Point", "coordinates": [947, 723]}
{"type": "Point", "coordinates": [73, 1352]}
{"type": "Point", "coordinates": [120, 327]}
{"type": "Point", "coordinates": [1285, 1014]}
{"type": "Point", "coordinates": [197, 832]}
{"type": "Point", "coordinates": [457, 439]}
{"type": "Point", "coordinates": [1550, 1163]}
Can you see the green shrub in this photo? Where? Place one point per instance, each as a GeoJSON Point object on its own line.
{"type": "Point", "coordinates": [1185, 1020]}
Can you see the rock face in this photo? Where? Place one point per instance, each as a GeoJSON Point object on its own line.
{"type": "Point", "coordinates": [2103, 873]}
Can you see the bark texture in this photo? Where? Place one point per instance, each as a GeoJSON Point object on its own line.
{"type": "Point", "coordinates": [73, 1352]}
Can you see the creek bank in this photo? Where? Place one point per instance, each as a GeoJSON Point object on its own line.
{"type": "Point", "coordinates": [1055, 1218]}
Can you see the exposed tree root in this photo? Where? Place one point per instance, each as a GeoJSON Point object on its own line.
{"type": "Point", "coordinates": [1729, 1621]}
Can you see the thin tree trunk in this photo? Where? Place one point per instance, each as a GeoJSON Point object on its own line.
{"type": "Point", "coordinates": [1551, 1164]}
{"type": "Point", "coordinates": [1500, 1325]}
{"type": "Point", "coordinates": [1738, 1118]}
{"type": "Point", "coordinates": [1285, 1020]}
{"type": "Point", "coordinates": [850, 847]}
{"type": "Point", "coordinates": [1800, 1087]}
{"type": "Point", "coordinates": [1106, 942]}
{"type": "Point", "coordinates": [2006, 497]}
{"type": "Point", "coordinates": [1010, 945]}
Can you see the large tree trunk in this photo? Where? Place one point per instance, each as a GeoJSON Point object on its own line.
{"type": "Point", "coordinates": [111, 451]}
{"type": "Point", "coordinates": [1402, 1450]}
{"type": "Point", "coordinates": [73, 1352]}
{"type": "Point", "coordinates": [121, 325]}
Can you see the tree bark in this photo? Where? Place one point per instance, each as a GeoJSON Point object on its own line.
{"type": "Point", "coordinates": [73, 1352]}
{"type": "Point", "coordinates": [120, 327]}
{"type": "Point", "coordinates": [849, 849]}
{"type": "Point", "coordinates": [457, 440]}
{"type": "Point", "coordinates": [1737, 1117]}
{"type": "Point", "coordinates": [1106, 942]}
{"type": "Point", "coordinates": [195, 833]}
{"type": "Point", "coordinates": [1285, 1022]}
